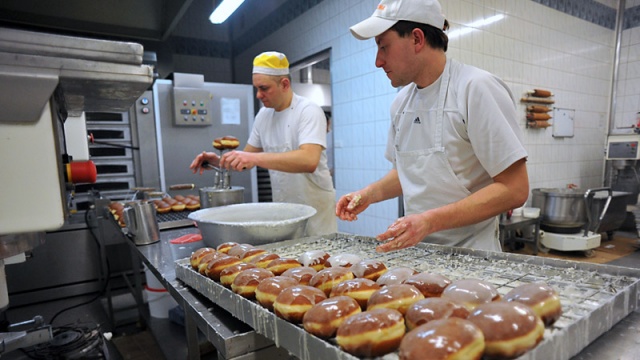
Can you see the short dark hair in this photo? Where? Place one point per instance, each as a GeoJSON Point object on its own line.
{"type": "Point", "coordinates": [436, 38]}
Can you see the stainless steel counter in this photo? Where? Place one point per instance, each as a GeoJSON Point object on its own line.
{"type": "Point", "coordinates": [233, 338]}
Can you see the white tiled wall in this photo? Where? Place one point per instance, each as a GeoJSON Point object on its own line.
{"type": "Point", "coordinates": [532, 47]}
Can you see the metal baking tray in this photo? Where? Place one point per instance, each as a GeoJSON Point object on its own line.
{"type": "Point", "coordinates": [594, 297]}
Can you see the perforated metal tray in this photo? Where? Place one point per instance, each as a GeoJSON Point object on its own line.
{"type": "Point", "coordinates": [594, 297]}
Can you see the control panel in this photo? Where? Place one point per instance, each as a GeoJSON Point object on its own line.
{"type": "Point", "coordinates": [192, 107]}
{"type": "Point", "coordinates": [623, 147]}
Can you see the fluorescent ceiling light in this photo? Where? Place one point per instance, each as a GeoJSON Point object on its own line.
{"type": "Point", "coordinates": [475, 25]}
{"type": "Point", "coordinates": [224, 10]}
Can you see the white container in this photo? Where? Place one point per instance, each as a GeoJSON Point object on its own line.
{"type": "Point", "coordinates": [159, 301]}
{"type": "Point", "coordinates": [531, 213]}
{"type": "Point", "coordinates": [152, 280]}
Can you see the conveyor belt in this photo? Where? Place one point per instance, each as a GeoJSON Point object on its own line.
{"type": "Point", "coordinates": [594, 297]}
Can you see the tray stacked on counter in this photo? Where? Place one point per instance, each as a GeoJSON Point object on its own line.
{"type": "Point", "coordinates": [594, 297]}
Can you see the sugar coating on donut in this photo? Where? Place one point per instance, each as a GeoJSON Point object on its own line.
{"type": "Point", "coordinates": [229, 274]}
{"type": "Point", "coordinates": [429, 284]}
{"type": "Point", "coordinates": [239, 249]}
{"type": "Point", "coordinates": [214, 268]}
{"type": "Point", "coordinates": [208, 258]}
{"type": "Point", "coordinates": [471, 292]}
{"type": "Point", "coordinates": [225, 247]}
{"type": "Point", "coordinates": [510, 329]}
{"type": "Point", "coordinates": [249, 254]}
{"type": "Point", "coordinates": [268, 289]}
{"type": "Point", "coordinates": [280, 265]}
{"type": "Point", "coordinates": [371, 333]}
{"type": "Point", "coordinates": [396, 296]}
{"type": "Point", "coordinates": [324, 318]}
{"type": "Point", "coordinates": [246, 281]}
{"type": "Point", "coordinates": [369, 269]}
{"type": "Point", "coordinates": [396, 275]}
{"type": "Point", "coordinates": [197, 256]}
{"type": "Point", "coordinates": [360, 289]}
{"type": "Point", "coordinates": [314, 259]}
{"type": "Point", "coordinates": [343, 260]}
{"type": "Point", "coordinates": [303, 274]}
{"type": "Point", "coordinates": [293, 302]}
{"type": "Point", "coordinates": [327, 278]}
{"type": "Point", "coordinates": [263, 260]}
{"type": "Point", "coordinates": [451, 339]}
{"type": "Point", "coordinates": [541, 298]}
{"type": "Point", "coordinates": [434, 308]}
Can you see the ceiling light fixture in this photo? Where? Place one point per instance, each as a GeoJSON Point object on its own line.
{"type": "Point", "coordinates": [475, 25]}
{"type": "Point", "coordinates": [224, 10]}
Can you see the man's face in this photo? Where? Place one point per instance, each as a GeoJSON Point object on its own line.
{"type": "Point", "coordinates": [394, 57]}
{"type": "Point", "coordinates": [270, 90]}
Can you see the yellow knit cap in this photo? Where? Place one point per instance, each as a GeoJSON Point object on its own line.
{"type": "Point", "coordinates": [271, 63]}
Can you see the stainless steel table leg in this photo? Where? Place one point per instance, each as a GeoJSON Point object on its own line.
{"type": "Point", "coordinates": [191, 330]}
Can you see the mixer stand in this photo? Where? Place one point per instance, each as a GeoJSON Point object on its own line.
{"type": "Point", "coordinates": [13, 340]}
{"type": "Point", "coordinates": [571, 242]}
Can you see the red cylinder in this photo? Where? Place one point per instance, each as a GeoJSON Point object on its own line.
{"type": "Point", "coordinates": [82, 172]}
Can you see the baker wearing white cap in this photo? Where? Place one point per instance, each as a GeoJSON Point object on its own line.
{"type": "Point", "coordinates": [454, 141]}
{"type": "Point", "coordinates": [289, 138]}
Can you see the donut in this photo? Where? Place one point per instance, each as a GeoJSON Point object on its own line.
{"type": "Point", "coordinates": [434, 308]}
{"type": "Point", "coordinates": [269, 288]}
{"type": "Point", "coordinates": [541, 298]}
{"type": "Point", "coordinates": [303, 274]}
{"type": "Point", "coordinates": [371, 333]}
{"type": "Point", "coordinates": [247, 280]}
{"type": "Point", "coordinates": [344, 260]}
{"type": "Point", "coordinates": [280, 265]}
{"type": "Point", "coordinates": [395, 296]}
{"type": "Point", "coordinates": [450, 339]}
{"type": "Point", "coordinates": [510, 329]}
{"type": "Point", "coordinates": [360, 289]}
{"type": "Point", "coordinates": [327, 278]}
{"type": "Point", "coordinates": [197, 255]}
{"type": "Point", "coordinates": [179, 198]}
{"type": "Point", "coordinates": [178, 206]}
{"type": "Point", "coordinates": [396, 275]}
{"type": "Point", "coordinates": [217, 144]}
{"type": "Point", "coordinates": [471, 292]}
{"type": "Point", "coordinates": [314, 259]}
{"type": "Point", "coordinates": [215, 267]}
{"type": "Point", "coordinates": [251, 253]}
{"type": "Point", "coordinates": [324, 318]}
{"type": "Point", "coordinates": [224, 247]}
{"type": "Point", "coordinates": [192, 205]}
{"type": "Point", "coordinates": [204, 262]}
{"type": "Point", "coordinates": [229, 142]}
{"type": "Point", "coordinates": [229, 274]}
{"type": "Point", "coordinates": [239, 249]}
{"type": "Point", "coordinates": [429, 284]}
{"type": "Point", "coordinates": [369, 269]}
{"type": "Point", "coordinates": [293, 302]}
{"type": "Point", "coordinates": [162, 207]}
{"type": "Point", "coordinates": [263, 260]}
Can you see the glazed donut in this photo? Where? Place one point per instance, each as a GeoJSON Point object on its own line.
{"type": "Point", "coordinates": [197, 256]}
{"type": "Point", "coordinates": [395, 296]}
{"type": "Point", "coordinates": [178, 206]}
{"type": "Point", "coordinates": [229, 274]}
{"type": "Point", "coordinates": [162, 207]}
{"type": "Point", "coordinates": [314, 259]}
{"type": "Point", "coordinates": [217, 144]}
{"type": "Point", "coordinates": [224, 247]}
{"type": "Point", "coordinates": [192, 205]}
{"type": "Point", "coordinates": [204, 262]}
{"type": "Point", "coordinates": [269, 288]}
{"type": "Point", "coordinates": [215, 267]}
{"type": "Point", "coordinates": [541, 298]}
{"type": "Point", "coordinates": [229, 142]}
{"type": "Point", "coordinates": [251, 253]}
{"type": "Point", "coordinates": [343, 260]}
{"type": "Point", "coordinates": [247, 280]}
{"type": "Point", "coordinates": [293, 302]}
{"type": "Point", "coordinates": [239, 249]}
{"type": "Point", "coordinates": [280, 265]}
{"type": "Point", "coordinates": [263, 260]}
{"type": "Point", "coordinates": [471, 292]}
{"type": "Point", "coordinates": [429, 284]}
{"type": "Point", "coordinates": [303, 274]}
{"type": "Point", "coordinates": [444, 339]}
{"type": "Point", "coordinates": [371, 333]}
{"type": "Point", "coordinates": [360, 289]}
{"type": "Point", "coordinates": [396, 275]}
{"type": "Point", "coordinates": [369, 269]}
{"type": "Point", "coordinates": [434, 308]}
{"type": "Point", "coordinates": [327, 278]}
{"type": "Point", "coordinates": [510, 329]}
{"type": "Point", "coordinates": [324, 318]}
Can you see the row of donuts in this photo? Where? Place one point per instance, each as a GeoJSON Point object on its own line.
{"type": "Point", "coordinates": [369, 308]}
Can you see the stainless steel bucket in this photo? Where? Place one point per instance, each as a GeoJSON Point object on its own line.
{"type": "Point", "coordinates": [213, 196]}
{"type": "Point", "coordinates": [141, 221]}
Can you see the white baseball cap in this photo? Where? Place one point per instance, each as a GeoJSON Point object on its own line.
{"type": "Point", "coordinates": [389, 12]}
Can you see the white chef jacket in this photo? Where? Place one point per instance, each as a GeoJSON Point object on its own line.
{"type": "Point", "coordinates": [303, 122]}
{"type": "Point", "coordinates": [448, 140]}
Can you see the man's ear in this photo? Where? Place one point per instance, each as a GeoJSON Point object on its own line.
{"type": "Point", "coordinates": [285, 82]}
{"type": "Point", "coordinates": [419, 40]}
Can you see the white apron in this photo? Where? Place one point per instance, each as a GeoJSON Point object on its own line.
{"type": "Point", "coordinates": [299, 189]}
{"type": "Point", "coordinates": [428, 181]}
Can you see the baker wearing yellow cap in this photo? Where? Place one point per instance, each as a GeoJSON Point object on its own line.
{"type": "Point", "coordinates": [289, 139]}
